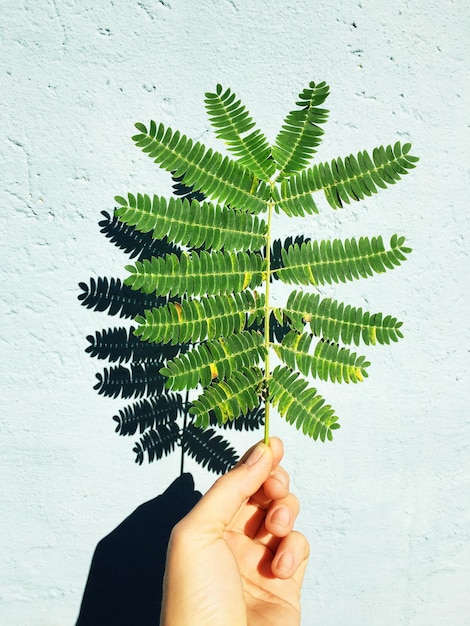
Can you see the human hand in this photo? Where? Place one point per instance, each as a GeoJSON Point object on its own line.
{"type": "Point", "coordinates": [235, 559]}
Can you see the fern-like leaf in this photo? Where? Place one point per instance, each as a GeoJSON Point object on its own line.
{"type": "Point", "coordinates": [301, 405]}
{"type": "Point", "coordinates": [229, 399]}
{"type": "Point", "coordinates": [317, 263]}
{"type": "Point", "coordinates": [196, 303]}
{"type": "Point", "coordinates": [109, 294]}
{"type": "Point", "coordinates": [231, 122]}
{"type": "Point", "coordinates": [301, 134]}
{"type": "Point", "coordinates": [157, 442]}
{"type": "Point", "coordinates": [192, 224]}
{"type": "Point", "coordinates": [336, 321]}
{"type": "Point", "coordinates": [214, 360]}
{"type": "Point", "coordinates": [209, 317]}
{"type": "Point", "coordinates": [329, 361]}
{"type": "Point", "coordinates": [136, 381]}
{"type": "Point", "coordinates": [209, 449]}
{"type": "Point", "coordinates": [209, 273]}
{"type": "Point", "coordinates": [217, 177]}
{"type": "Point", "coordinates": [351, 178]}
{"type": "Point", "coordinates": [148, 414]}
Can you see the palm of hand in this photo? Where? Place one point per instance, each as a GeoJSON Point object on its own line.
{"type": "Point", "coordinates": [270, 601]}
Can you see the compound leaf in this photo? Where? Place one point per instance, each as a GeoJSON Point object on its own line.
{"type": "Point", "coordinates": [200, 273]}
{"type": "Point", "coordinates": [301, 405]}
{"type": "Point", "coordinates": [194, 320]}
{"type": "Point", "coordinates": [334, 261]}
{"type": "Point", "coordinates": [329, 361]}
{"type": "Point", "coordinates": [336, 321]}
{"type": "Point", "coordinates": [214, 360]}
{"type": "Point", "coordinates": [192, 223]}
{"type": "Point", "coordinates": [301, 134]}
{"type": "Point", "coordinates": [232, 122]}
{"type": "Point", "coordinates": [343, 180]}
{"type": "Point", "coordinates": [229, 399]}
{"type": "Point", "coordinates": [217, 177]}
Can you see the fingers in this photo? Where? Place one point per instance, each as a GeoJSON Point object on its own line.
{"type": "Point", "coordinates": [251, 517]}
{"type": "Point", "coordinates": [276, 486]}
{"type": "Point", "coordinates": [268, 523]}
{"type": "Point", "coordinates": [252, 498]}
{"type": "Point", "coordinates": [291, 557]}
{"type": "Point", "coordinates": [216, 510]}
{"type": "Point", "coordinates": [277, 450]}
{"type": "Point", "coordinates": [281, 516]}
{"type": "Point", "coordinates": [277, 522]}
{"type": "Point", "coordinates": [277, 483]}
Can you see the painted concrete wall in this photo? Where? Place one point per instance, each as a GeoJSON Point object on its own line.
{"type": "Point", "coordinates": [385, 506]}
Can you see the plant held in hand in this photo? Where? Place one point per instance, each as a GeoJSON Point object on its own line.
{"type": "Point", "coordinates": [218, 282]}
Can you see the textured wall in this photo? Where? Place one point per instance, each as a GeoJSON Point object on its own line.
{"type": "Point", "coordinates": [386, 505]}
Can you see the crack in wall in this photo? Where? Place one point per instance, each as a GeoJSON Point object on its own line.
{"type": "Point", "coordinates": [26, 200]}
{"type": "Point", "coordinates": [62, 26]}
{"type": "Point", "coordinates": [148, 12]}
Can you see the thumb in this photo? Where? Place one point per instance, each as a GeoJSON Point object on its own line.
{"type": "Point", "coordinates": [216, 509]}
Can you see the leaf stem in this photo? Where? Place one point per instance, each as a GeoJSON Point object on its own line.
{"type": "Point", "coordinates": [267, 314]}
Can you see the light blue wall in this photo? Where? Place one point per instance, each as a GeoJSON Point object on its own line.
{"type": "Point", "coordinates": [385, 506]}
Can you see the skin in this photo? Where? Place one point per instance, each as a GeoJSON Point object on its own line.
{"type": "Point", "coordinates": [235, 558]}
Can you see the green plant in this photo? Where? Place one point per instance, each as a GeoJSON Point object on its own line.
{"type": "Point", "coordinates": [219, 286]}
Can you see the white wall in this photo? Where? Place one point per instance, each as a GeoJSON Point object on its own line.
{"type": "Point", "coordinates": [385, 506]}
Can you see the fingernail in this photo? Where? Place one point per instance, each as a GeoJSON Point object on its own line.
{"type": "Point", "coordinates": [285, 563]}
{"type": "Point", "coordinates": [256, 454]}
{"type": "Point", "coordinates": [281, 516]}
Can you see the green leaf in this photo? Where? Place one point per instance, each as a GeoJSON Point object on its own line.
{"type": "Point", "coordinates": [197, 273]}
{"type": "Point", "coordinates": [194, 320]}
{"type": "Point", "coordinates": [218, 177]}
{"type": "Point", "coordinates": [317, 263]}
{"type": "Point", "coordinates": [336, 321]}
{"type": "Point", "coordinates": [328, 362]}
{"type": "Point", "coordinates": [214, 360]}
{"type": "Point", "coordinates": [351, 178]}
{"type": "Point", "coordinates": [301, 134]}
{"type": "Point", "coordinates": [229, 399]}
{"type": "Point", "coordinates": [301, 405]}
{"type": "Point", "coordinates": [232, 122]}
{"type": "Point", "coordinates": [192, 223]}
